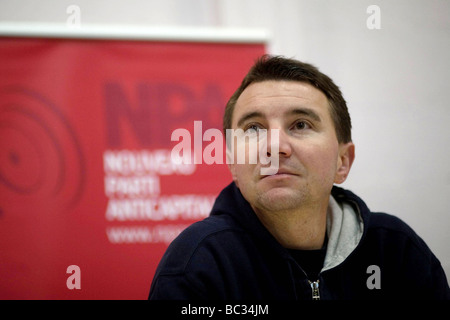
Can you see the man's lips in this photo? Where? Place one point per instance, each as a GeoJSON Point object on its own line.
{"type": "Point", "coordinates": [281, 173]}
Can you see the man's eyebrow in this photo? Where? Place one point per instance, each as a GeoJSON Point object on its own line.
{"type": "Point", "coordinates": [295, 111]}
{"type": "Point", "coordinates": [249, 115]}
{"type": "Point", "coordinates": [305, 112]}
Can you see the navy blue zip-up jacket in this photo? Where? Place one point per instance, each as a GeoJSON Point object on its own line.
{"type": "Point", "coordinates": [231, 256]}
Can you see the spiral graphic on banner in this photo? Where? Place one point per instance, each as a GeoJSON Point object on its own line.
{"type": "Point", "coordinates": [40, 155]}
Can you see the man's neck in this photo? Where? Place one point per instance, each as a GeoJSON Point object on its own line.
{"type": "Point", "coordinates": [301, 229]}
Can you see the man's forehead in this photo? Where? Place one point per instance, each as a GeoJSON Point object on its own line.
{"type": "Point", "coordinates": [283, 95]}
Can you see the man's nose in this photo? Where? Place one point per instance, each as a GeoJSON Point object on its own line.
{"type": "Point", "coordinates": [278, 141]}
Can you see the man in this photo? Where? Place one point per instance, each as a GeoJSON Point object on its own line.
{"type": "Point", "coordinates": [293, 235]}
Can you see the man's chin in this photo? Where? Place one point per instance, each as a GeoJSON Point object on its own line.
{"type": "Point", "coordinates": [280, 198]}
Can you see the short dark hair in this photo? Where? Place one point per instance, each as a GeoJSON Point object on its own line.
{"type": "Point", "coordinates": [280, 68]}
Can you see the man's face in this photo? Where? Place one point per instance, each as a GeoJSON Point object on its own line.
{"type": "Point", "coordinates": [310, 157]}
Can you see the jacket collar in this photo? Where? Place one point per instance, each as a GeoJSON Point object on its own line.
{"type": "Point", "coordinates": [345, 229]}
{"type": "Point", "coordinates": [347, 220]}
{"type": "Point", "coordinates": [231, 202]}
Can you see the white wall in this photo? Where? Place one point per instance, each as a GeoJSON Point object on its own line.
{"type": "Point", "coordinates": [395, 81]}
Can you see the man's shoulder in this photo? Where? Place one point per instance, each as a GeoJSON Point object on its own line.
{"type": "Point", "coordinates": [205, 233]}
{"type": "Point", "coordinates": [211, 226]}
{"type": "Point", "coordinates": [385, 221]}
{"type": "Point", "coordinates": [395, 232]}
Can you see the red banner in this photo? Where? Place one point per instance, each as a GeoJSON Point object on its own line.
{"type": "Point", "coordinates": [89, 195]}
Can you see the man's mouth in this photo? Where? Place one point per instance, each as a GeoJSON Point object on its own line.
{"type": "Point", "coordinates": [281, 173]}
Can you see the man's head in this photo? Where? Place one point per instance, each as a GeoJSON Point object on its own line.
{"type": "Point", "coordinates": [314, 140]}
{"type": "Point", "coordinates": [282, 69]}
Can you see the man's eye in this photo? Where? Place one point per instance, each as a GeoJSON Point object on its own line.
{"type": "Point", "coordinates": [252, 128]}
{"type": "Point", "coordinates": [301, 125]}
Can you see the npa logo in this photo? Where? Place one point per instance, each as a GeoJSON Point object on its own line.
{"type": "Point", "coordinates": [151, 111]}
{"type": "Point", "coordinates": [140, 119]}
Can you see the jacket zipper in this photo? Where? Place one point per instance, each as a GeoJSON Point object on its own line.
{"type": "Point", "coordinates": [315, 289]}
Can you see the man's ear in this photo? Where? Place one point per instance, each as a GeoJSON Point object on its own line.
{"type": "Point", "coordinates": [345, 161]}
